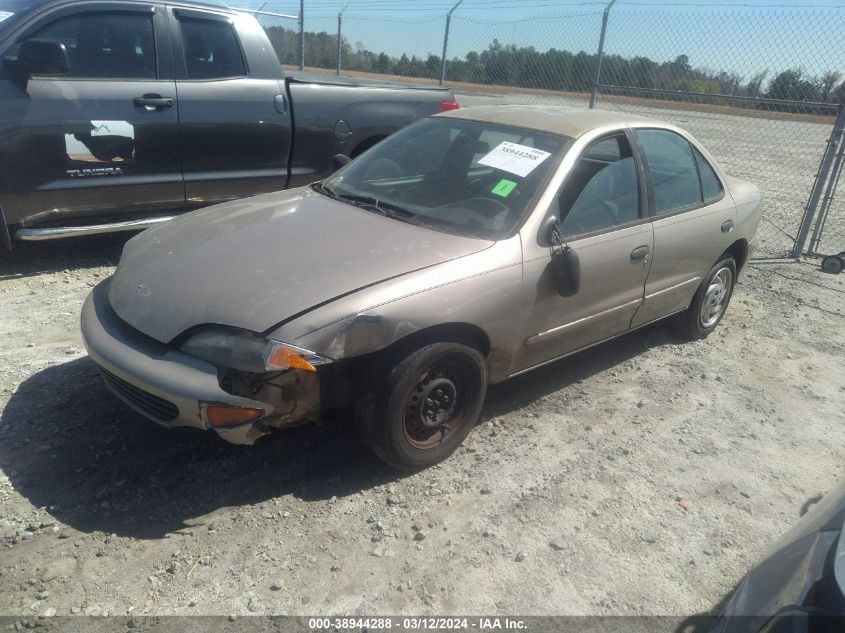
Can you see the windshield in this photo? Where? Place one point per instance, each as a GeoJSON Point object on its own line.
{"type": "Point", "coordinates": [9, 7]}
{"type": "Point", "coordinates": [459, 176]}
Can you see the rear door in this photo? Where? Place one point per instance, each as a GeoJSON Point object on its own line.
{"type": "Point", "coordinates": [694, 220]}
{"type": "Point", "coordinates": [103, 139]}
{"type": "Point", "coordinates": [235, 123]}
{"type": "Point", "coordinates": [605, 219]}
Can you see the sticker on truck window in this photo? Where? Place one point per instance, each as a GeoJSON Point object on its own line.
{"type": "Point", "coordinates": [503, 188]}
{"type": "Point", "coordinates": [4, 15]}
{"type": "Point", "coordinates": [514, 158]}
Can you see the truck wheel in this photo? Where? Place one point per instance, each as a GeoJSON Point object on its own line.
{"type": "Point", "coordinates": [418, 410]}
{"type": "Point", "coordinates": [710, 301]}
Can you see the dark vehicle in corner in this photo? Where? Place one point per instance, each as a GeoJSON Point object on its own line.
{"type": "Point", "coordinates": [799, 585]}
{"type": "Point", "coordinates": [119, 114]}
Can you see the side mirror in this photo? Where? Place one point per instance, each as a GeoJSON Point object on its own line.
{"type": "Point", "coordinates": [43, 57]}
{"type": "Point", "coordinates": [565, 265]}
{"type": "Point", "coordinates": [566, 268]}
{"type": "Point", "coordinates": [339, 160]}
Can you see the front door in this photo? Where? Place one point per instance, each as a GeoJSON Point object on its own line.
{"type": "Point", "coordinates": [235, 123]}
{"type": "Point", "coordinates": [102, 139]}
{"type": "Point", "coordinates": [605, 220]}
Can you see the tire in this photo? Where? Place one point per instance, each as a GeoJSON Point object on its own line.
{"type": "Point", "coordinates": [420, 408]}
{"type": "Point", "coordinates": [832, 264]}
{"type": "Point", "coordinates": [710, 301]}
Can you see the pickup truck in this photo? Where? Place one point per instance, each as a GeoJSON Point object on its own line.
{"type": "Point", "coordinates": [118, 114]}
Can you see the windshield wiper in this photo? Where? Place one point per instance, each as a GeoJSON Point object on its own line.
{"type": "Point", "coordinates": [370, 203]}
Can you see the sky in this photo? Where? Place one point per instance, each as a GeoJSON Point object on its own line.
{"type": "Point", "coordinates": [744, 37]}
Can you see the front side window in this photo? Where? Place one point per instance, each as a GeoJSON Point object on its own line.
{"type": "Point", "coordinates": [465, 177]}
{"type": "Point", "coordinates": [674, 173]}
{"type": "Point", "coordinates": [602, 190]}
{"type": "Point", "coordinates": [211, 49]}
{"type": "Point", "coordinates": [103, 45]}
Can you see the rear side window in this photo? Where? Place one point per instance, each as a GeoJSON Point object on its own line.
{"type": "Point", "coordinates": [674, 172]}
{"type": "Point", "coordinates": [711, 188]}
{"type": "Point", "coordinates": [104, 45]}
{"type": "Point", "coordinates": [211, 49]}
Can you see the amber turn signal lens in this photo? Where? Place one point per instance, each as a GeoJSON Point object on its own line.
{"type": "Point", "coordinates": [224, 415]}
{"type": "Point", "coordinates": [284, 358]}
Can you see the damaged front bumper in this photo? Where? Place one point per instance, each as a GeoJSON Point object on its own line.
{"type": "Point", "coordinates": [173, 388]}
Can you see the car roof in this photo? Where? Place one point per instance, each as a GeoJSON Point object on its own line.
{"type": "Point", "coordinates": [572, 122]}
{"type": "Point", "coordinates": [219, 5]}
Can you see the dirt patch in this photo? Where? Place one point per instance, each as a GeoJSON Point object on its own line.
{"type": "Point", "coordinates": [643, 476]}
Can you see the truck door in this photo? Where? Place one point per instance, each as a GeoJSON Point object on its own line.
{"type": "Point", "coordinates": [235, 123]}
{"type": "Point", "coordinates": [101, 139]}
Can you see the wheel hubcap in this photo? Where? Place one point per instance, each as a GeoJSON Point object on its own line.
{"type": "Point", "coordinates": [438, 402]}
{"type": "Point", "coordinates": [434, 407]}
{"type": "Point", "coordinates": [716, 297]}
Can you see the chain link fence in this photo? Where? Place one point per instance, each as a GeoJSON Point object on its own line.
{"type": "Point", "coordinates": [760, 87]}
{"type": "Point", "coordinates": [744, 82]}
{"type": "Point", "coordinates": [826, 211]}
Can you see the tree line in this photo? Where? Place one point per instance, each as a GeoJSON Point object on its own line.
{"type": "Point", "coordinates": [561, 70]}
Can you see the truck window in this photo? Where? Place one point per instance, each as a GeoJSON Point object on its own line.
{"type": "Point", "coordinates": [104, 45]}
{"type": "Point", "coordinates": [211, 49]}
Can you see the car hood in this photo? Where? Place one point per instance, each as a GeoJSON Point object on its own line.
{"type": "Point", "coordinates": [256, 262]}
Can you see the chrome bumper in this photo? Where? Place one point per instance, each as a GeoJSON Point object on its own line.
{"type": "Point", "coordinates": [162, 384]}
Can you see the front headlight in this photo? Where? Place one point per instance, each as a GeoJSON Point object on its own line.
{"type": "Point", "coordinates": [239, 349]}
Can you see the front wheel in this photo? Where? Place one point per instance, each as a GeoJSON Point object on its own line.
{"type": "Point", "coordinates": [419, 409]}
{"type": "Point", "coordinates": [710, 301]}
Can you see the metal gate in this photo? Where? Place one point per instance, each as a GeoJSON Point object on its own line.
{"type": "Point", "coordinates": [825, 214]}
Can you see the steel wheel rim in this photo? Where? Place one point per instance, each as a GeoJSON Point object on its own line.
{"type": "Point", "coordinates": [716, 297]}
{"type": "Point", "coordinates": [430, 419]}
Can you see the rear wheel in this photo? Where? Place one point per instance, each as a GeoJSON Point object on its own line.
{"type": "Point", "coordinates": [420, 408]}
{"type": "Point", "coordinates": [710, 301]}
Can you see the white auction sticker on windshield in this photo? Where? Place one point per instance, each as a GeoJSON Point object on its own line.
{"type": "Point", "coordinates": [514, 158]}
{"type": "Point", "coordinates": [4, 15]}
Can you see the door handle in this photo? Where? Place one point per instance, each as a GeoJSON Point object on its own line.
{"type": "Point", "coordinates": [727, 225]}
{"type": "Point", "coordinates": [153, 102]}
{"type": "Point", "coordinates": [639, 253]}
{"type": "Point", "coordinates": [281, 104]}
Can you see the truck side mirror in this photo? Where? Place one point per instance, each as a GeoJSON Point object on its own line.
{"type": "Point", "coordinates": [565, 264]}
{"type": "Point", "coordinates": [42, 57]}
{"type": "Point", "coordinates": [339, 160]}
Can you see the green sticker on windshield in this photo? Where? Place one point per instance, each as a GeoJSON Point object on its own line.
{"type": "Point", "coordinates": [503, 188]}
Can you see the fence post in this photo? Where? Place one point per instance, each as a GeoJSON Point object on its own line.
{"type": "Point", "coordinates": [818, 185]}
{"type": "Point", "coordinates": [301, 34]}
{"type": "Point", "coordinates": [446, 42]}
{"type": "Point", "coordinates": [339, 21]}
{"type": "Point", "coordinates": [600, 55]}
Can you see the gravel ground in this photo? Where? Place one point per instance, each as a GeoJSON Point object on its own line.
{"type": "Point", "coordinates": [643, 476]}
